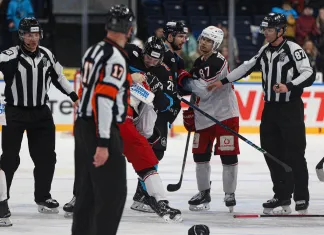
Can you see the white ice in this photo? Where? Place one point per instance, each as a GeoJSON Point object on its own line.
{"type": "Point", "coordinates": [254, 188]}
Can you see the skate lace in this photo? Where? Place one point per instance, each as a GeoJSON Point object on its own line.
{"type": "Point", "coordinates": [300, 202]}
{"type": "Point", "coordinates": [72, 202]}
{"type": "Point", "coordinates": [229, 197]}
{"type": "Point", "coordinates": [273, 200]}
{"type": "Point", "coordinates": [51, 201]}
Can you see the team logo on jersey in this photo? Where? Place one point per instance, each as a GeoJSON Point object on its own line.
{"type": "Point", "coordinates": [44, 61]}
{"type": "Point", "coordinates": [282, 56]}
{"type": "Point", "coordinates": [135, 53]}
{"type": "Point", "coordinates": [173, 60]}
{"type": "Point", "coordinates": [226, 143]}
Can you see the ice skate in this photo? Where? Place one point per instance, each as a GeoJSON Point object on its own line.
{"type": "Point", "coordinates": [163, 210]}
{"type": "Point", "coordinates": [274, 203]}
{"type": "Point", "coordinates": [301, 207]}
{"type": "Point", "coordinates": [141, 200]}
{"type": "Point", "coordinates": [200, 201]}
{"type": "Point", "coordinates": [68, 208]}
{"type": "Point", "coordinates": [230, 201]}
{"type": "Point", "coordinates": [50, 206]}
{"type": "Point", "coordinates": [5, 214]}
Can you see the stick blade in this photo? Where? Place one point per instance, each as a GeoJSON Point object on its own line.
{"type": "Point", "coordinates": [173, 187]}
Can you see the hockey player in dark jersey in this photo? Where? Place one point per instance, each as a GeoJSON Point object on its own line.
{"type": "Point", "coordinates": [222, 105]}
{"type": "Point", "coordinates": [148, 63]}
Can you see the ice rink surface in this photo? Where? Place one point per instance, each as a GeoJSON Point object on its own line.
{"type": "Point", "coordinates": [254, 188]}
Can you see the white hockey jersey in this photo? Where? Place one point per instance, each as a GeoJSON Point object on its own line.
{"type": "Point", "coordinates": [220, 103]}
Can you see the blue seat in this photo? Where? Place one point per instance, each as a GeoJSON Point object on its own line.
{"type": "Point", "coordinates": [196, 9]}
{"type": "Point", "coordinates": [216, 20]}
{"type": "Point", "coordinates": [242, 26]}
{"type": "Point", "coordinates": [198, 23]}
{"type": "Point", "coordinates": [244, 41]}
{"type": "Point", "coordinates": [183, 19]}
{"type": "Point", "coordinates": [153, 10]}
{"type": "Point", "coordinates": [154, 22]}
{"type": "Point", "coordinates": [173, 9]}
{"type": "Point", "coordinates": [151, 2]}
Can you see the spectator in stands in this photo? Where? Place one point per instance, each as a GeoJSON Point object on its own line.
{"type": "Point", "coordinates": [3, 29]}
{"type": "Point", "coordinates": [320, 26]}
{"type": "Point", "coordinates": [291, 16]}
{"type": "Point", "coordinates": [224, 52]}
{"type": "Point", "coordinates": [159, 32]}
{"type": "Point", "coordinates": [311, 52]}
{"type": "Point", "coordinates": [18, 9]}
{"type": "Point", "coordinates": [191, 46]}
{"type": "Point", "coordinates": [225, 43]}
{"type": "Point", "coordinates": [306, 26]}
{"type": "Point", "coordinates": [297, 5]}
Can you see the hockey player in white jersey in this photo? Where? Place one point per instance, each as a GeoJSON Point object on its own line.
{"type": "Point", "coordinates": [223, 106]}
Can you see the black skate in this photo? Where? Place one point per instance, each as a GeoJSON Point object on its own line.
{"type": "Point", "coordinates": [230, 201]}
{"type": "Point", "coordinates": [200, 201]}
{"type": "Point", "coordinates": [5, 214]}
{"type": "Point", "coordinates": [68, 208]}
{"type": "Point", "coordinates": [301, 207]}
{"type": "Point", "coordinates": [141, 198]}
{"type": "Point", "coordinates": [273, 203]}
{"type": "Point", "coordinates": [50, 206]}
{"type": "Point", "coordinates": [163, 210]}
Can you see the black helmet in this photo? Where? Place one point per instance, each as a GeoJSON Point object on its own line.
{"type": "Point", "coordinates": [120, 19]}
{"type": "Point", "coordinates": [199, 229]}
{"type": "Point", "coordinates": [154, 47]}
{"type": "Point", "coordinates": [274, 20]}
{"type": "Point", "coordinates": [174, 27]}
{"type": "Point", "coordinates": [29, 25]}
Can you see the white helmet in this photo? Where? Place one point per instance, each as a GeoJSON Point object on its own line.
{"type": "Point", "coordinates": [213, 33]}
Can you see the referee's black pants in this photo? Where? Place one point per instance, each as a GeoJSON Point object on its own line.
{"type": "Point", "coordinates": [101, 192]}
{"type": "Point", "coordinates": [282, 133]}
{"type": "Point", "coordinates": [39, 126]}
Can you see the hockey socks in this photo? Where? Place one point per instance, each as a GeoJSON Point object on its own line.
{"type": "Point", "coordinates": [203, 175]}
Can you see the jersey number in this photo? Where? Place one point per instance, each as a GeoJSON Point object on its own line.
{"type": "Point", "coordinates": [86, 72]}
{"type": "Point", "coordinates": [204, 73]}
{"type": "Point", "coordinates": [170, 86]}
{"type": "Point", "coordinates": [117, 71]}
{"type": "Point", "coordinates": [299, 54]}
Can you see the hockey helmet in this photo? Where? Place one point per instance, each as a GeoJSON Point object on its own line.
{"type": "Point", "coordinates": [153, 51]}
{"type": "Point", "coordinates": [174, 27]}
{"type": "Point", "coordinates": [274, 20]}
{"type": "Point", "coordinates": [213, 33]}
{"type": "Point", "coordinates": [199, 229]}
{"type": "Point", "coordinates": [120, 19]}
{"type": "Point", "coordinates": [29, 25]}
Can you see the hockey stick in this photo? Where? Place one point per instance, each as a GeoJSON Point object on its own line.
{"type": "Point", "coordinates": [284, 165]}
{"type": "Point", "coordinates": [176, 187]}
{"type": "Point", "coordinates": [319, 170]}
{"type": "Point", "coordinates": [249, 216]}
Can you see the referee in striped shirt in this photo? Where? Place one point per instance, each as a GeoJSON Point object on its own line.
{"type": "Point", "coordinates": [285, 72]}
{"type": "Point", "coordinates": [28, 70]}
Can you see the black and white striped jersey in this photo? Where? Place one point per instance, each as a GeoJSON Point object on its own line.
{"type": "Point", "coordinates": [287, 64]}
{"type": "Point", "coordinates": [28, 76]}
{"type": "Point", "coordinates": [104, 92]}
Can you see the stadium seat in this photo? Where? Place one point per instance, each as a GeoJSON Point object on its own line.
{"type": "Point", "coordinates": [196, 9]}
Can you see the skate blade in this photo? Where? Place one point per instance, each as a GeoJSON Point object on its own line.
{"type": "Point", "coordinates": [201, 207]}
{"type": "Point", "coordinates": [285, 210]}
{"type": "Point", "coordinates": [139, 206]}
{"type": "Point", "coordinates": [5, 222]}
{"type": "Point", "coordinates": [176, 219]}
{"type": "Point", "coordinates": [46, 210]}
{"type": "Point", "coordinates": [303, 212]}
{"type": "Point", "coordinates": [68, 215]}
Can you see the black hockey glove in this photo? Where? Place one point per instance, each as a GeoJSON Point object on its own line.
{"type": "Point", "coordinates": [161, 102]}
{"type": "Point", "coordinates": [174, 110]}
{"type": "Point", "coordinates": [154, 83]}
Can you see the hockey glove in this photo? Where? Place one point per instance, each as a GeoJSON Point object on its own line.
{"type": "Point", "coordinates": [154, 83]}
{"type": "Point", "coordinates": [189, 120]}
{"type": "Point", "coordinates": [183, 75]}
{"type": "Point", "coordinates": [174, 110]}
{"type": "Point", "coordinates": [161, 102]}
